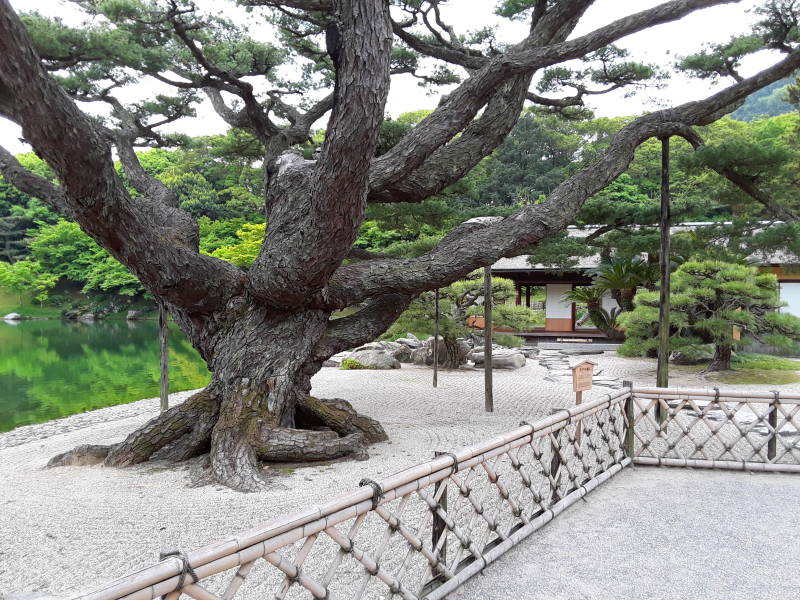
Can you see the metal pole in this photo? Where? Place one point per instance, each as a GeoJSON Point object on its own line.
{"type": "Point", "coordinates": [662, 373]}
{"type": "Point", "coordinates": [487, 339]}
{"type": "Point", "coordinates": [162, 336]}
{"type": "Point", "coordinates": [436, 340]}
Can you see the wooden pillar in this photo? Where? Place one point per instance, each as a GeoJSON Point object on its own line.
{"type": "Point", "coordinates": [662, 373]}
{"type": "Point", "coordinates": [519, 295]}
{"type": "Point", "coordinates": [630, 417]}
{"type": "Point", "coordinates": [487, 339]}
{"type": "Point", "coordinates": [528, 296]}
{"type": "Point", "coordinates": [772, 419]}
{"type": "Point", "coordinates": [436, 339]}
{"type": "Point", "coordinates": [163, 339]}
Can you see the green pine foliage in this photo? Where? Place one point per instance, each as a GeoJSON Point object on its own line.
{"type": "Point", "coordinates": [461, 300]}
{"type": "Point", "coordinates": [711, 301]}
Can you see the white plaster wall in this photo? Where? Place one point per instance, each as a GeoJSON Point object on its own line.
{"type": "Point", "coordinates": [555, 307]}
{"type": "Point", "coordinates": [608, 302]}
{"type": "Point", "coordinates": [790, 293]}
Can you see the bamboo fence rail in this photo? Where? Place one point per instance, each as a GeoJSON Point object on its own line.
{"type": "Point", "coordinates": [415, 535]}
{"type": "Point", "coordinates": [753, 431]}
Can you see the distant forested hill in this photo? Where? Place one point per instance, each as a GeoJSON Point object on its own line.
{"type": "Point", "coordinates": [769, 101]}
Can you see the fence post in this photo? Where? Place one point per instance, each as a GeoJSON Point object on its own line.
{"type": "Point", "coordinates": [630, 415]}
{"type": "Point", "coordinates": [439, 525]}
{"type": "Point", "coordinates": [772, 444]}
{"type": "Point", "coordinates": [555, 463]}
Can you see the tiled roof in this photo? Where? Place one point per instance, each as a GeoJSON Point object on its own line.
{"type": "Point", "coordinates": [521, 263]}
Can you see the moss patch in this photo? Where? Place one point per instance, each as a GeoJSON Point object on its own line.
{"type": "Point", "coordinates": [764, 362]}
{"type": "Point", "coordinates": [349, 364]}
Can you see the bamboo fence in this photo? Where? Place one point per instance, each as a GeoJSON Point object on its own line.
{"type": "Point", "coordinates": [418, 534]}
{"type": "Point", "coordinates": [421, 533]}
{"type": "Point", "coordinates": [752, 431]}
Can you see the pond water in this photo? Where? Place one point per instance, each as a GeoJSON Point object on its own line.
{"type": "Point", "coordinates": [51, 369]}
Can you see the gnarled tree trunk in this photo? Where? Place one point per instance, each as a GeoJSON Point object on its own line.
{"type": "Point", "coordinates": [257, 406]}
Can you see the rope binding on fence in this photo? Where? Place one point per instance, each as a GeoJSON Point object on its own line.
{"type": "Point", "coordinates": [186, 568]}
{"type": "Point", "coordinates": [377, 490]}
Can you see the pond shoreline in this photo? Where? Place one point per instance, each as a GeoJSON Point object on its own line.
{"type": "Point", "coordinates": [25, 434]}
{"type": "Point", "coordinates": [55, 368]}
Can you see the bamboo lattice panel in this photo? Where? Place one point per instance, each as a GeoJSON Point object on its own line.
{"type": "Point", "coordinates": [711, 428]}
{"type": "Point", "coordinates": [380, 543]}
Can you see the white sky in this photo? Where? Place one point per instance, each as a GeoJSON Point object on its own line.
{"type": "Point", "coordinates": [660, 46]}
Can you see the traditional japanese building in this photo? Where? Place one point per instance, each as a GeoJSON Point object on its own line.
{"type": "Point", "coordinates": [564, 320]}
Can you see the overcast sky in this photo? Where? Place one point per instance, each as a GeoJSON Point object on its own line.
{"type": "Point", "coordinates": [660, 46]}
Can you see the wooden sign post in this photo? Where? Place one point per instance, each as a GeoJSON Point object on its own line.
{"type": "Point", "coordinates": [581, 382]}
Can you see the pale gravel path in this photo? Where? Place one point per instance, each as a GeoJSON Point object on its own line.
{"type": "Point", "coordinates": [72, 528]}
{"type": "Point", "coordinates": [666, 534]}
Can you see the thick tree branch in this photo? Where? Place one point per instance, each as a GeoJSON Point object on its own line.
{"type": "Point", "coordinates": [145, 183]}
{"type": "Point", "coordinates": [324, 204]}
{"type": "Point", "coordinates": [461, 106]}
{"type": "Point", "coordinates": [481, 242]}
{"type": "Point", "coordinates": [32, 184]}
{"type": "Point", "coordinates": [453, 161]}
{"type": "Point", "coordinates": [157, 242]}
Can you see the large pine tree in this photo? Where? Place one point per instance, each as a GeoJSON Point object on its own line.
{"type": "Point", "coordinates": [266, 330]}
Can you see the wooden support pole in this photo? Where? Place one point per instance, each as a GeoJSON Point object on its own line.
{"type": "Point", "coordinates": [630, 417]}
{"type": "Point", "coordinates": [772, 419]}
{"type": "Point", "coordinates": [662, 373]}
{"type": "Point", "coordinates": [487, 339]}
{"type": "Point", "coordinates": [163, 340]}
{"type": "Point", "coordinates": [436, 339]}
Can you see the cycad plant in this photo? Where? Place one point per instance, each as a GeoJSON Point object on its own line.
{"type": "Point", "coordinates": [621, 277]}
{"type": "Point", "coordinates": [592, 297]}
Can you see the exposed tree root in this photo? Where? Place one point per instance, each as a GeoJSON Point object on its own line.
{"type": "Point", "coordinates": [338, 415]}
{"type": "Point", "coordinates": [327, 429]}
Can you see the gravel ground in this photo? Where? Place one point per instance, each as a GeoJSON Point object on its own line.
{"type": "Point", "coordinates": [652, 533]}
{"type": "Point", "coordinates": [72, 528]}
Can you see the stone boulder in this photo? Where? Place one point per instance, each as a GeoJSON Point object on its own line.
{"type": "Point", "coordinates": [336, 359]}
{"type": "Point", "coordinates": [422, 356]}
{"type": "Point", "coordinates": [400, 351]}
{"type": "Point", "coordinates": [503, 359]}
{"type": "Point", "coordinates": [411, 341]}
{"type": "Point", "coordinates": [374, 358]}
{"type": "Point", "coordinates": [133, 315]}
{"type": "Point", "coordinates": [13, 317]}
{"type": "Point", "coordinates": [87, 317]}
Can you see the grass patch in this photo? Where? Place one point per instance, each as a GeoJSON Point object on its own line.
{"type": "Point", "coordinates": [764, 362]}
{"type": "Point", "coordinates": [758, 377]}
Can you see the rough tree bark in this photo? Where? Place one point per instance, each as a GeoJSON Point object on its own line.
{"type": "Point", "coordinates": [264, 332]}
{"type": "Point", "coordinates": [721, 361]}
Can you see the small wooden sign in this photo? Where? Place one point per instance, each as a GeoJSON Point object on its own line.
{"type": "Point", "coordinates": [582, 376]}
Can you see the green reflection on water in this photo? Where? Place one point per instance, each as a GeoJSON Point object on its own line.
{"type": "Point", "coordinates": [50, 369]}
